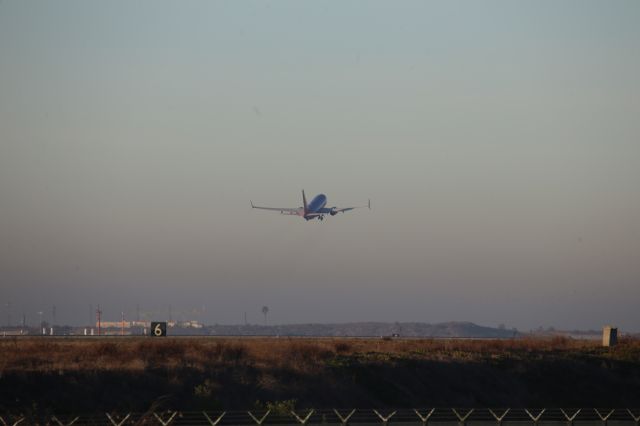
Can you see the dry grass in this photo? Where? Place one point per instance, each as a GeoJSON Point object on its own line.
{"type": "Point", "coordinates": [103, 373]}
{"type": "Point", "coordinates": [136, 354]}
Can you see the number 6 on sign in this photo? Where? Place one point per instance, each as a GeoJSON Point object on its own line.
{"type": "Point", "coordinates": [158, 329]}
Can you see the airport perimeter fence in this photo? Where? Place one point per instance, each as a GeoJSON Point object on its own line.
{"type": "Point", "coordinates": [344, 417]}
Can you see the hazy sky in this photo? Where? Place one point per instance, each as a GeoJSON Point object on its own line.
{"type": "Point", "coordinates": [499, 143]}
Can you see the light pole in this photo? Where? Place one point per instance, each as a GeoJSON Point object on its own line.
{"type": "Point", "coordinates": [99, 319]}
{"type": "Point", "coordinates": [41, 327]}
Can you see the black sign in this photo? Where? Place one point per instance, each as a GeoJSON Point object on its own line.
{"type": "Point", "coordinates": [158, 329]}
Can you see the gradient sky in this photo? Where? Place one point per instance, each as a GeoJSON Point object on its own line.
{"type": "Point", "coordinates": [498, 141]}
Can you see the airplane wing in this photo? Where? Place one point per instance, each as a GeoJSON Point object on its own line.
{"type": "Point", "coordinates": [344, 209]}
{"type": "Point", "coordinates": [282, 210]}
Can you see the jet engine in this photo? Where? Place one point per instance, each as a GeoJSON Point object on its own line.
{"type": "Point", "coordinates": [333, 211]}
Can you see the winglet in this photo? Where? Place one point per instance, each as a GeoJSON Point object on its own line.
{"type": "Point", "coordinates": [251, 204]}
{"type": "Point", "coordinates": [304, 202]}
{"type": "Point", "coordinates": [369, 205]}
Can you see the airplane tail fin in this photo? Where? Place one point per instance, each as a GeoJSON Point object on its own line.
{"type": "Point", "coordinates": [304, 202]}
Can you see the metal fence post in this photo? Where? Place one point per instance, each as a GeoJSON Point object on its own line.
{"type": "Point", "coordinates": [301, 420]}
{"type": "Point", "coordinates": [570, 419]}
{"type": "Point", "coordinates": [259, 421]}
{"type": "Point", "coordinates": [345, 419]}
{"type": "Point", "coordinates": [425, 418]}
{"type": "Point", "coordinates": [535, 418]}
{"type": "Point", "coordinates": [55, 419]}
{"type": "Point", "coordinates": [501, 417]}
{"type": "Point", "coordinates": [604, 418]}
{"type": "Point", "coordinates": [114, 421]}
{"type": "Point", "coordinates": [165, 422]}
{"type": "Point", "coordinates": [15, 423]}
{"type": "Point", "coordinates": [216, 421]}
{"type": "Point", "coordinates": [384, 419]}
{"type": "Point", "coordinates": [463, 419]}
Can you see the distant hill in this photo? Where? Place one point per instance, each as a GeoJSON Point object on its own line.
{"type": "Point", "coordinates": [361, 329]}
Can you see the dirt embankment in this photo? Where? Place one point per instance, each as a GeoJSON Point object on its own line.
{"type": "Point", "coordinates": [190, 373]}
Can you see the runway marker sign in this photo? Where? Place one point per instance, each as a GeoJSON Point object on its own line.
{"type": "Point", "coordinates": [158, 329]}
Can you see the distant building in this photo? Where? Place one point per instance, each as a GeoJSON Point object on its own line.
{"type": "Point", "coordinates": [146, 324]}
{"type": "Point", "coordinates": [13, 332]}
{"type": "Point", "coordinates": [190, 324]}
{"type": "Point", "coordinates": [609, 336]}
{"type": "Point", "coordinates": [114, 324]}
{"type": "Point", "coordinates": [116, 333]}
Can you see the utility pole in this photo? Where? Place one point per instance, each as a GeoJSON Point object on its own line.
{"type": "Point", "coordinates": [91, 313]}
{"type": "Point", "coordinates": [99, 318]}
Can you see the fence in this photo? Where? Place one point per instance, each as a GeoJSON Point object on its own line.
{"type": "Point", "coordinates": [343, 417]}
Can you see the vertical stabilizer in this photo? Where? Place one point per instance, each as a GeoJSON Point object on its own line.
{"type": "Point", "coordinates": [304, 203]}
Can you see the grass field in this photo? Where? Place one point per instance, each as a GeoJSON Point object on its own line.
{"type": "Point", "coordinates": [132, 373]}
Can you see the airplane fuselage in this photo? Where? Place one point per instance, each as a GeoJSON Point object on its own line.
{"type": "Point", "coordinates": [315, 207]}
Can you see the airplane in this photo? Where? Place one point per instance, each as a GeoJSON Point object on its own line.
{"type": "Point", "coordinates": [314, 210]}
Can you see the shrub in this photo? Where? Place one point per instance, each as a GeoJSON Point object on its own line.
{"type": "Point", "coordinates": [278, 408]}
{"type": "Point", "coordinates": [342, 347]}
